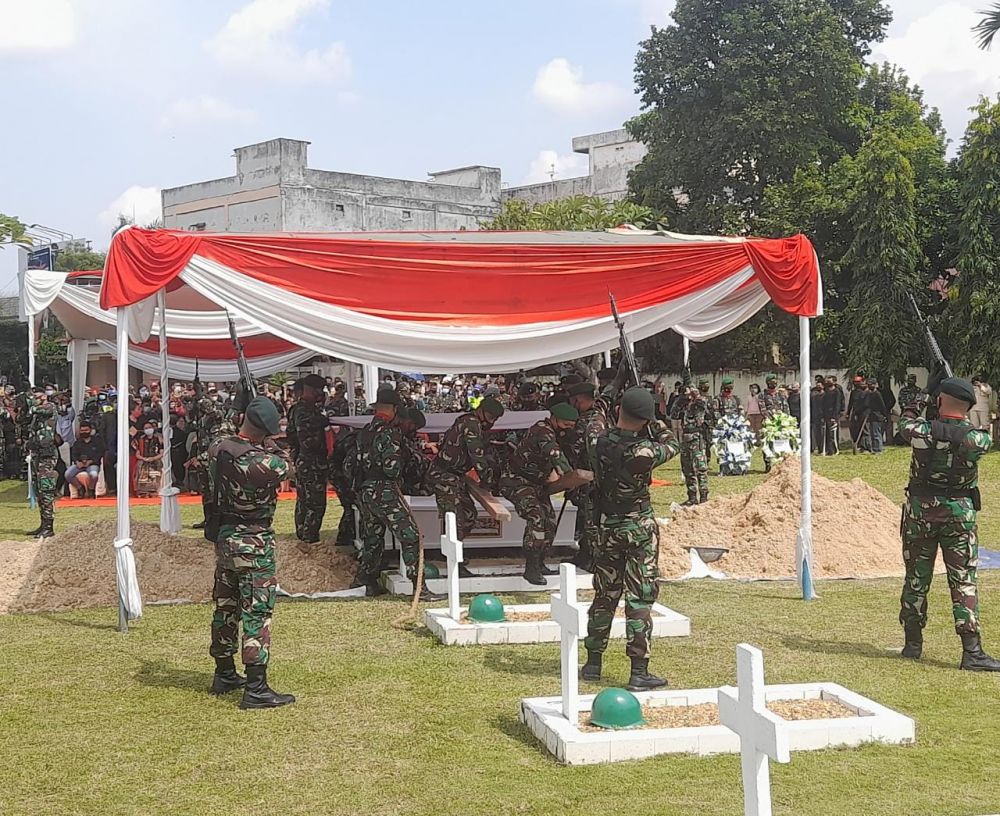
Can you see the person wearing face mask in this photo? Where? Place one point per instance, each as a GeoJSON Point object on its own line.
{"type": "Point", "coordinates": [309, 445]}
{"type": "Point", "coordinates": [694, 461]}
{"type": "Point", "coordinates": [728, 403]}
{"type": "Point", "coordinates": [87, 453]}
{"type": "Point", "coordinates": [463, 448]}
{"type": "Point", "coordinates": [65, 423]}
{"type": "Point", "coordinates": [941, 510]}
{"type": "Point", "coordinates": [148, 448]}
{"type": "Point", "coordinates": [529, 470]}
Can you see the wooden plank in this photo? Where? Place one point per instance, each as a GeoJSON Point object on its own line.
{"type": "Point", "coordinates": [490, 503]}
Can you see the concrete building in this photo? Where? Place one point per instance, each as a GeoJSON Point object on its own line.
{"type": "Point", "coordinates": [612, 155]}
{"type": "Point", "coordinates": [274, 189]}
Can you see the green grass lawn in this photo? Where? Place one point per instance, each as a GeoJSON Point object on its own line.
{"type": "Point", "coordinates": [390, 722]}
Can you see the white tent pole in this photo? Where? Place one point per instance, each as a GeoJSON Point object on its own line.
{"type": "Point", "coordinates": [31, 350]}
{"type": "Point", "coordinates": [122, 414]}
{"type": "Point", "coordinates": [371, 382]}
{"type": "Point", "coordinates": [170, 513]}
{"type": "Point", "coordinates": [803, 542]}
{"type": "Point", "coordinates": [607, 358]}
{"type": "Point", "coordinates": [78, 372]}
{"type": "Point", "coordinates": [686, 344]}
{"type": "Point", "coordinates": [350, 375]}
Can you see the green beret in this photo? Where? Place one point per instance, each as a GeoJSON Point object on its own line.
{"type": "Point", "coordinates": [416, 416]}
{"type": "Point", "coordinates": [727, 380]}
{"type": "Point", "coordinates": [262, 413]}
{"type": "Point", "coordinates": [563, 410]}
{"type": "Point", "coordinates": [584, 389]}
{"type": "Point", "coordinates": [638, 403]}
{"type": "Point", "coordinates": [703, 381]}
{"type": "Point", "coordinates": [492, 406]}
{"type": "Point", "coordinates": [387, 396]}
{"type": "Point", "coordinates": [959, 389]}
{"type": "Point", "coordinates": [770, 377]}
{"type": "Point", "coordinates": [314, 381]}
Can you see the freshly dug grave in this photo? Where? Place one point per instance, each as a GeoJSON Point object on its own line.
{"type": "Point", "coordinates": [694, 716]}
{"type": "Point", "coordinates": [76, 568]}
{"type": "Point", "coordinates": [855, 530]}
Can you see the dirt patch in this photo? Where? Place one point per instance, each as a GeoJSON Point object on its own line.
{"type": "Point", "coordinates": [76, 568]}
{"type": "Point", "coordinates": [760, 528]}
{"type": "Point", "coordinates": [694, 716]}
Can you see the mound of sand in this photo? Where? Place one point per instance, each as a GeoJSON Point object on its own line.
{"type": "Point", "coordinates": [855, 530]}
{"type": "Point", "coordinates": [76, 569]}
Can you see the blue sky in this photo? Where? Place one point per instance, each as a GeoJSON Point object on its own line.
{"type": "Point", "coordinates": [109, 100]}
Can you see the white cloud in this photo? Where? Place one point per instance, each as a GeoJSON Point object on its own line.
{"type": "Point", "coordinates": [257, 39]}
{"type": "Point", "coordinates": [549, 165]}
{"type": "Point", "coordinates": [560, 86]}
{"type": "Point", "coordinates": [141, 204]}
{"type": "Point", "coordinates": [205, 109]}
{"type": "Point", "coordinates": [36, 25]}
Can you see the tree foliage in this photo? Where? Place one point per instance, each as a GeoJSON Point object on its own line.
{"type": "Point", "coordinates": [73, 260]}
{"type": "Point", "coordinates": [12, 231]}
{"type": "Point", "coordinates": [988, 27]}
{"type": "Point", "coordinates": [574, 213]}
{"type": "Point", "coordinates": [50, 357]}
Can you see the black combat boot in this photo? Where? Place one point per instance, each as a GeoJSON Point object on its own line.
{"type": "Point", "coordinates": [46, 531]}
{"type": "Point", "coordinates": [258, 694]}
{"type": "Point", "coordinates": [546, 569]}
{"type": "Point", "coordinates": [973, 656]}
{"type": "Point", "coordinates": [226, 677]}
{"type": "Point", "coordinates": [692, 500]}
{"type": "Point", "coordinates": [641, 679]}
{"type": "Point", "coordinates": [704, 497]}
{"type": "Point", "coordinates": [583, 560]}
{"type": "Point", "coordinates": [373, 589]}
{"type": "Point", "coordinates": [533, 568]}
{"type": "Point", "coordinates": [913, 641]}
{"type": "Point", "coordinates": [591, 670]}
{"type": "Point", "coordinates": [199, 526]}
{"type": "Point", "coordinates": [36, 531]}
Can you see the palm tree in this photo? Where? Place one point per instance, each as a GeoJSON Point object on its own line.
{"type": "Point", "coordinates": [988, 27]}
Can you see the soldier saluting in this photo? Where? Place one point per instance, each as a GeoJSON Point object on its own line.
{"type": "Point", "coordinates": [940, 510]}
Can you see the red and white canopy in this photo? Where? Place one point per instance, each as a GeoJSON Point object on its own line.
{"type": "Point", "coordinates": [468, 301]}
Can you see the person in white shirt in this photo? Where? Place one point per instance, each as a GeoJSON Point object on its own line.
{"type": "Point", "coordinates": [980, 413]}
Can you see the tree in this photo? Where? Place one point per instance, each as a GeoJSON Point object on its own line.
{"type": "Point", "coordinates": [739, 95]}
{"type": "Point", "coordinates": [72, 260]}
{"type": "Point", "coordinates": [574, 213]}
{"type": "Point", "coordinates": [988, 27]}
{"type": "Point", "coordinates": [50, 357]}
{"type": "Point", "coordinates": [978, 299]}
{"type": "Point", "coordinates": [12, 231]}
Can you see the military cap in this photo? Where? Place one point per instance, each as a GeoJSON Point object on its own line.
{"type": "Point", "coordinates": [570, 379]}
{"type": "Point", "coordinates": [387, 396]}
{"type": "Point", "coordinates": [638, 403]}
{"type": "Point", "coordinates": [563, 410]}
{"type": "Point", "coordinates": [959, 389]}
{"type": "Point", "coordinates": [416, 416]}
{"type": "Point", "coordinates": [262, 413]}
{"type": "Point", "coordinates": [492, 406]}
{"type": "Point", "coordinates": [527, 389]}
{"type": "Point", "coordinates": [314, 381]}
{"type": "Point", "coordinates": [770, 377]}
{"type": "Point", "coordinates": [583, 389]}
{"type": "Point", "coordinates": [727, 381]}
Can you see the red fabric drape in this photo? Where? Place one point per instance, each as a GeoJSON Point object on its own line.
{"type": "Point", "coordinates": [468, 283]}
{"type": "Point", "coordinates": [258, 345]}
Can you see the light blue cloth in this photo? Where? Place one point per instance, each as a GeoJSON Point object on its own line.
{"type": "Point", "coordinates": [64, 425]}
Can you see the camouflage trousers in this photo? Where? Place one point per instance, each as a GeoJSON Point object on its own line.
{"type": "Point", "coordinates": [625, 563]}
{"type": "Point", "coordinates": [957, 538]}
{"type": "Point", "coordinates": [383, 508]}
{"type": "Point", "coordinates": [347, 529]}
{"type": "Point", "coordinates": [310, 497]}
{"type": "Point", "coordinates": [532, 504]}
{"type": "Point", "coordinates": [43, 479]}
{"type": "Point", "coordinates": [244, 593]}
{"type": "Point", "coordinates": [587, 532]}
{"type": "Point", "coordinates": [452, 494]}
{"type": "Point", "coordinates": [694, 466]}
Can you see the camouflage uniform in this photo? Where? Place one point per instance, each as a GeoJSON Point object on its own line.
{"type": "Point", "coordinates": [728, 406]}
{"type": "Point", "coordinates": [245, 477]}
{"type": "Point", "coordinates": [415, 466]}
{"type": "Point", "coordinates": [380, 468]}
{"type": "Point", "coordinates": [528, 469]}
{"type": "Point", "coordinates": [463, 448]}
{"type": "Point", "coordinates": [771, 403]}
{"type": "Point", "coordinates": [342, 462]}
{"type": "Point", "coordinates": [589, 427]}
{"type": "Point", "coordinates": [307, 425]}
{"type": "Point", "coordinates": [940, 510]}
{"type": "Point", "coordinates": [626, 556]}
{"type": "Point", "coordinates": [694, 460]}
{"type": "Point", "coordinates": [908, 394]}
{"type": "Point", "coordinates": [41, 444]}
{"type": "Point", "coordinates": [213, 423]}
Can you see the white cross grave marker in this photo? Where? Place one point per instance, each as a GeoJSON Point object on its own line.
{"type": "Point", "coordinates": [451, 548]}
{"type": "Point", "coordinates": [762, 733]}
{"type": "Point", "coordinates": [572, 620]}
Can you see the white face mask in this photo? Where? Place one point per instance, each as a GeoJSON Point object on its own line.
{"type": "Point", "coordinates": [49, 392]}
{"type": "Point", "coordinates": [282, 428]}
{"type": "Point", "coordinates": [147, 431]}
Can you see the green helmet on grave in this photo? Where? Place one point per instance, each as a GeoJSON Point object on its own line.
{"type": "Point", "coordinates": [431, 571]}
{"type": "Point", "coordinates": [616, 708]}
{"type": "Point", "coordinates": [486, 608]}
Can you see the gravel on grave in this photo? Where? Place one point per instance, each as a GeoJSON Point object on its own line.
{"type": "Point", "coordinates": [534, 617]}
{"type": "Point", "coordinates": [693, 716]}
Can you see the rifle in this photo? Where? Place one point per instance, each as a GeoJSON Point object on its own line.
{"type": "Point", "coordinates": [626, 348]}
{"type": "Point", "coordinates": [245, 377]}
{"type": "Point", "coordinates": [932, 342]}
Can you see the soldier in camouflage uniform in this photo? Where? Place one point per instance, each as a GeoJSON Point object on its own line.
{"type": "Point", "coordinates": [463, 448]}
{"type": "Point", "coordinates": [42, 446]}
{"type": "Point", "coordinates": [772, 402]}
{"type": "Point", "coordinates": [307, 425]}
{"type": "Point", "coordinates": [415, 462]}
{"type": "Point", "coordinates": [627, 552]}
{"type": "Point", "coordinates": [908, 393]}
{"type": "Point", "coordinates": [212, 422]}
{"type": "Point", "coordinates": [593, 422]}
{"type": "Point", "coordinates": [379, 471]}
{"type": "Point", "coordinates": [728, 404]}
{"type": "Point", "coordinates": [529, 468]}
{"type": "Point", "coordinates": [527, 398]}
{"type": "Point", "coordinates": [940, 510]}
{"type": "Point", "coordinates": [342, 461]}
{"type": "Point", "coordinates": [244, 474]}
{"type": "Point", "coordinates": [711, 416]}
{"type": "Point", "coordinates": [694, 460]}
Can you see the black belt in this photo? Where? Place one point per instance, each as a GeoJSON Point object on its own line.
{"type": "Point", "coordinates": [928, 492]}
{"type": "Point", "coordinates": [622, 509]}
{"type": "Point", "coordinates": [234, 519]}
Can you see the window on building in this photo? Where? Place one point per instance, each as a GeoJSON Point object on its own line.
{"type": "Point", "coordinates": [407, 215]}
{"type": "Point", "coordinates": [199, 227]}
{"type": "Point", "coordinates": [339, 208]}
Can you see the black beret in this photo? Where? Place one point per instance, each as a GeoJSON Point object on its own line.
{"type": "Point", "coordinates": [527, 388]}
{"type": "Point", "coordinates": [959, 389]}
{"type": "Point", "coordinates": [387, 396]}
{"type": "Point", "coordinates": [262, 413]}
{"type": "Point", "coordinates": [416, 416]}
{"type": "Point", "coordinates": [583, 389]}
{"type": "Point", "coordinates": [314, 381]}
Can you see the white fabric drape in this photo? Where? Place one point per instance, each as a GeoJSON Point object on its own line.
{"type": "Point", "coordinates": [39, 288]}
{"type": "Point", "coordinates": [170, 511]}
{"type": "Point", "coordinates": [182, 368]}
{"type": "Point", "coordinates": [412, 345]}
{"type": "Point", "coordinates": [370, 375]}
{"type": "Point", "coordinates": [76, 353]}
